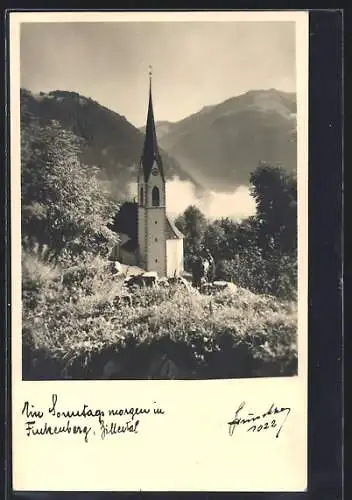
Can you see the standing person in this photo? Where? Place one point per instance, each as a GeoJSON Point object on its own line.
{"type": "Point", "coordinates": [211, 261]}
{"type": "Point", "coordinates": [202, 252]}
{"type": "Point", "coordinates": [197, 272]}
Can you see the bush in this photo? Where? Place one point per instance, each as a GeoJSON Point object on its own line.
{"type": "Point", "coordinates": [275, 275]}
{"type": "Point", "coordinates": [63, 203]}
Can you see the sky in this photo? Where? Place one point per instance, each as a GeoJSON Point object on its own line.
{"type": "Point", "coordinates": [195, 64]}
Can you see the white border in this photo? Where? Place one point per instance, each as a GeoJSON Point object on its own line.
{"type": "Point", "coordinates": [190, 449]}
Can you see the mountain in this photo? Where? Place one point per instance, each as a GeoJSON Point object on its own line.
{"type": "Point", "coordinates": [215, 149]}
{"type": "Point", "coordinates": [163, 127]}
{"type": "Point", "coordinates": [222, 144]}
{"type": "Point", "coordinates": [110, 141]}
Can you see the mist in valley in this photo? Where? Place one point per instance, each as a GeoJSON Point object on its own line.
{"type": "Point", "coordinates": [237, 205]}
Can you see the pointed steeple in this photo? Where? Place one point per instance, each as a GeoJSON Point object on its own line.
{"type": "Point", "coordinates": [150, 149]}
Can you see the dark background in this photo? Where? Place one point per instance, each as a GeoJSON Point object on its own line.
{"type": "Point", "coordinates": [325, 277]}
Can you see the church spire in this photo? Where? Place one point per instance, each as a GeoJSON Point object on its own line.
{"type": "Point", "coordinates": [150, 149]}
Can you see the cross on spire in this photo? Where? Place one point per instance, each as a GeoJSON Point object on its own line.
{"type": "Point", "coordinates": [150, 73]}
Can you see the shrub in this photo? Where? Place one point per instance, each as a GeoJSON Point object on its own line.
{"type": "Point", "coordinates": [64, 205]}
{"type": "Point", "coordinates": [275, 275]}
{"type": "Point", "coordinates": [72, 329]}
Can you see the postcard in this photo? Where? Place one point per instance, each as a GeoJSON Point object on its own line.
{"type": "Point", "coordinates": [159, 180]}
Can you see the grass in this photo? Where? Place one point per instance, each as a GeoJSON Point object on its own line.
{"type": "Point", "coordinates": [72, 328]}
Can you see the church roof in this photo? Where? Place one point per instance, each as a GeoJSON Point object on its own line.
{"type": "Point", "coordinates": [131, 245]}
{"type": "Point", "coordinates": [150, 149]}
{"type": "Point", "coordinates": [172, 233]}
{"type": "Point", "coordinates": [125, 220]}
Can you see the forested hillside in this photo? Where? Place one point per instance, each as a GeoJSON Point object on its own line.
{"type": "Point", "coordinates": [108, 140]}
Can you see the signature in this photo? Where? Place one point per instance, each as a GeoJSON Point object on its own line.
{"type": "Point", "coordinates": [260, 422]}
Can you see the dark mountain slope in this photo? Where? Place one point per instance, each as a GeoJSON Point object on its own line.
{"type": "Point", "coordinates": [110, 141]}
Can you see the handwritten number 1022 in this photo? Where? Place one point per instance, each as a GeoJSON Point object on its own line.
{"type": "Point", "coordinates": [261, 427]}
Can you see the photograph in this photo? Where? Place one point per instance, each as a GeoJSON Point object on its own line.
{"type": "Point", "coordinates": [159, 250]}
{"type": "Point", "coordinates": [159, 200]}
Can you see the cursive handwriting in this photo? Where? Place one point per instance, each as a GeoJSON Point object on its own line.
{"type": "Point", "coordinates": [84, 412]}
{"type": "Point", "coordinates": [34, 429]}
{"type": "Point", "coordinates": [262, 421]}
{"type": "Point", "coordinates": [113, 428]}
{"type": "Point", "coordinates": [84, 420]}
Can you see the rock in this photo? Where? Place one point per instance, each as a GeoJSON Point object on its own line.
{"type": "Point", "coordinates": [179, 280]}
{"type": "Point", "coordinates": [218, 286]}
{"type": "Point", "coordinates": [116, 267]}
{"type": "Point", "coordinates": [224, 285]}
{"type": "Point", "coordinates": [145, 279]}
{"type": "Point", "coordinates": [150, 274]}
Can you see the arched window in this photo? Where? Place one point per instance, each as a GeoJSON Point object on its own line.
{"type": "Point", "coordinates": [141, 196]}
{"type": "Point", "coordinates": [155, 197]}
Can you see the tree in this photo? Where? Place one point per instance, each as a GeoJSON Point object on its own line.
{"type": "Point", "coordinates": [275, 193]}
{"type": "Point", "coordinates": [215, 240]}
{"type": "Point", "coordinates": [247, 234]}
{"type": "Point", "coordinates": [226, 238]}
{"type": "Point", "coordinates": [63, 203]}
{"type": "Point", "coordinates": [192, 223]}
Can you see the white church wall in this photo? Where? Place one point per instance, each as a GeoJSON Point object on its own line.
{"type": "Point", "coordinates": [151, 224]}
{"type": "Point", "coordinates": [180, 255]}
{"type": "Point", "coordinates": [174, 253]}
{"type": "Point", "coordinates": [156, 243]}
{"type": "Point", "coordinates": [142, 234]}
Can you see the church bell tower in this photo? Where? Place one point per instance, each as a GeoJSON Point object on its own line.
{"type": "Point", "coordinates": [151, 200]}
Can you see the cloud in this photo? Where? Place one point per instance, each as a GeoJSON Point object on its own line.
{"type": "Point", "coordinates": [181, 194]}
{"type": "Point", "coordinates": [238, 205]}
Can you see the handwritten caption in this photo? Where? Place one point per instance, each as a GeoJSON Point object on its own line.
{"type": "Point", "coordinates": [84, 421]}
{"type": "Point", "coordinates": [55, 419]}
{"type": "Point", "coordinates": [272, 419]}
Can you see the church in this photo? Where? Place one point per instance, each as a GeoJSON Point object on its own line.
{"type": "Point", "coordinates": [148, 238]}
